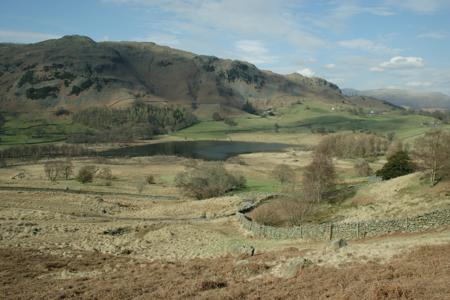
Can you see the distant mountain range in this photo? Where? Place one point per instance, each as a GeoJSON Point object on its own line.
{"type": "Point", "coordinates": [75, 72]}
{"type": "Point", "coordinates": [406, 98]}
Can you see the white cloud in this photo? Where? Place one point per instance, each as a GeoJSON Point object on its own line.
{"type": "Point", "coordinates": [306, 72]}
{"type": "Point", "coordinates": [256, 18]}
{"type": "Point", "coordinates": [330, 66]}
{"type": "Point", "coordinates": [254, 52]}
{"type": "Point", "coordinates": [376, 69]}
{"type": "Point", "coordinates": [367, 45]}
{"type": "Point", "coordinates": [419, 84]}
{"type": "Point", "coordinates": [400, 63]}
{"type": "Point", "coordinates": [11, 36]}
{"type": "Point", "coordinates": [436, 35]}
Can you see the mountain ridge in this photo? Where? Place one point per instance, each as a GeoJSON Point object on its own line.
{"type": "Point", "coordinates": [406, 98]}
{"type": "Point", "coordinates": [75, 71]}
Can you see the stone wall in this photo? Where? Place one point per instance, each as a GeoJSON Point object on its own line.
{"type": "Point", "coordinates": [349, 231]}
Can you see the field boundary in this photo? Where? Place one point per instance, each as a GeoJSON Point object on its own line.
{"type": "Point", "coordinates": [349, 231]}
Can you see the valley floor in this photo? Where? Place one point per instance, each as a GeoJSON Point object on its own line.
{"type": "Point", "coordinates": [67, 240]}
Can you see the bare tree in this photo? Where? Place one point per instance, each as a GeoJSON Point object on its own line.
{"type": "Point", "coordinates": [319, 177]}
{"type": "Point", "coordinates": [433, 153]}
{"type": "Point", "coordinates": [394, 147]}
{"type": "Point", "coordinates": [67, 168]}
{"type": "Point", "coordinates": [52, 170]}
{"type": "Point", "coordinates": [363, 168]}
{"type": "Point", "coordinates": [283, 173]}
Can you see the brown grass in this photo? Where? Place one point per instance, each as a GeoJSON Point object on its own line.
{"type": "Point", "coordinates": [25, 274]}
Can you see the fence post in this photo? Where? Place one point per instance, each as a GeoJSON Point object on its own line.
{"type": "Point", "coordinates": [357, 230]}
{"type": "Point", "coordinates": [331, 231]}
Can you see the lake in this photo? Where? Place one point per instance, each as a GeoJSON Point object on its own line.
{"type": "Point", "coordinates": [208, 150]}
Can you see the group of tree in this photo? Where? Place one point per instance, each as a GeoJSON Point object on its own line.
{"type": "Point", "coordinates": [140, 120]}
{"type": "Point", "coordinates": [354, 145]}
{"type": "Point", "coordinates": [209, 179]}
{"type": "Point", "coordinates": [44, 151]}
{"type": "Point", "coordinates": [2, 123]}
{"type": "Point", "coordinates": [432, 151]}
{"type": "Point", "coordinates": [55, 169]}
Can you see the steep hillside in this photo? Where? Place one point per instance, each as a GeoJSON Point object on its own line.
{"type": "Point", "coordinates": [406, 98]}
{"type": "Point", "coordinates": [75, 72]}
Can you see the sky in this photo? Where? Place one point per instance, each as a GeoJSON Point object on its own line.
{"type": "Point", "coordinates": [355, 44]}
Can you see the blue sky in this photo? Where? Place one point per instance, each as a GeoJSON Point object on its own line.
{"type": "Point", "coordinates": [358, 44]}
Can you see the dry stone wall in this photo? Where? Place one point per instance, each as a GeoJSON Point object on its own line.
{"type": "Point", "coordinates": [349, 231]}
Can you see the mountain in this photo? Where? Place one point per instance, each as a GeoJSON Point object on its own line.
{"type": "Point", "coordinates": [76, 72]}
{"type": "Point", "coordinates": [406, 98]}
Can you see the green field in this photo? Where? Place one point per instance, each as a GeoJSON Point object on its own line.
{"type": "Point", "coordinates": [303, 119]}
{"type": "Point", "coordinates": [36, 129]}
{"type": "Point", "coordinates": [313, 117]}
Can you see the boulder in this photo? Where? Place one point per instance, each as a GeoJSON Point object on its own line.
{"type": "Point", "coordinates": [336, 244]}
{"type": "Point", "coordinates": [242, 250]}
{"type": "Point", "coordinates": [289, 268]}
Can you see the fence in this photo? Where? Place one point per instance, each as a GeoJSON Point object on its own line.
{"type": "Point", "coordinates": [349, 231]}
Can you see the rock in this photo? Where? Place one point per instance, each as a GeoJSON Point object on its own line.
{"type": "Point", "coordinates": [336, 244]}
{"type": "Point", "coordinates": [290, 268]}
{"type": "Point", "coordinates": [21, 175]}
{"type": "Point", "coordinates": [242, 250]}
{"type": "Point", "coordinates": [116, 231]}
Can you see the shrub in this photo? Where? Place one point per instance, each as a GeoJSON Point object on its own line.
{"type": "Point", "coordinates": [86, 174]}
{"type": "Point", "coordinates": [207, 180]}
{"type": "Point", "coordinates": [283, 173]}
{"type": "Point", "coordinates": [230, 122]}
{"type": "Point", "coordinates": [217, 117]}
{"type": "Point", "coordinates": [105, 174]}
{"type": "Point", "coordinates": [398, 164]}
{"type": "Point", "coordinates": [288, 211]}
{"type": "Point", "coordinates": [150, 179]}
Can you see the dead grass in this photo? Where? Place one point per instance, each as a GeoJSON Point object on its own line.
{"type": "Point", "coordinates": [25, 274]}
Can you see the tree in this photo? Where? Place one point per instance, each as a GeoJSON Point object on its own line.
{"type": "Point", "coordinates": [67, 168]}
{"type": "Point", "coordinates": [398, 164]}
{"type": "Point", "coordinates": [363, 168]}
{"type": "Point", "coordinates": [319, 177]}
{"type": "Point", "coordinates": [394, 147]}
{"type": "Point", "coordinates": [283, 173]}
{"type": "Point", "coordinates": [433, 153]}
{"type": "Point", "coordinates": [52, 170]}
{"type": "Point", "coordinates": [2, 123]}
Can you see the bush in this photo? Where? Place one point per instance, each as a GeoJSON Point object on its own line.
{"type": "Point", "coordinates": [287, 211]}
{"type": "Point", "coordinates": [217, 117]}
{"type": "Point", "coordinates": [150, 179]}
{"type": "Point", "coordinates": [106, 175]}
{"type": "Point", "coordinates": [86, 174]}
{"type": "Point", "coordinates": [207, 180]}
{"type": "Point", "coordinates": [283, 173]}
{"type": "Point", "coordinates": [398, 164]}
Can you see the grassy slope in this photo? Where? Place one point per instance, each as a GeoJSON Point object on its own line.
{"type": "Point", "coordinates": [300, 119]}
{"type": "Point", "coordinates": [36, 128]}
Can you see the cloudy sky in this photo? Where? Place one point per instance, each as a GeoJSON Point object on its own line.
{"type": "Point", "coordinates": [358, 44]}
